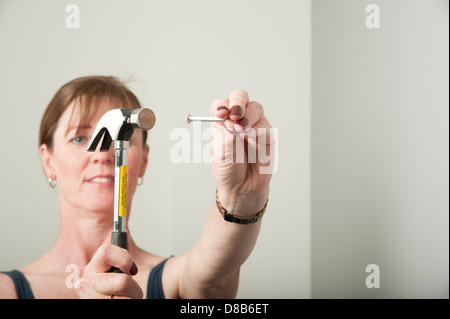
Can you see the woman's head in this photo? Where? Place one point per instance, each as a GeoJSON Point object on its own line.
{"type": "Point", "coordinates": [85, 91]}
{"type": "Point", "coordinates": [86, 179]}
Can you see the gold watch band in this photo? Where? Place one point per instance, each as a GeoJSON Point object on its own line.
{"type": "Point", "coordinates": [237, 219]}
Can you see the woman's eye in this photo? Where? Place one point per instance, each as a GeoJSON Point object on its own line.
{"type": "Point", "coordinates": [78, 140]}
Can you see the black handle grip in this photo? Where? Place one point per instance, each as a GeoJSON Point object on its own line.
{"type": "Point", "coordinates": [119, 239]}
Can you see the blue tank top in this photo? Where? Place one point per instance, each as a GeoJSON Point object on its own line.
{"type": "Point", "coordinates": [154, 286]}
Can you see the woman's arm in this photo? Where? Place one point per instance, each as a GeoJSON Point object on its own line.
{"type": "Point", "coordinates": [242, 160]}
{"type": "Point", "coordinates": [212, 267]}
{"type": "Point", "coordinates": [7, 288]}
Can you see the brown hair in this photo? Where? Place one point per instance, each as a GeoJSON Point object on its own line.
{"type": "Point", "coordinates": [85, 90]}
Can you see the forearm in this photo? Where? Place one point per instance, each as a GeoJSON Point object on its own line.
{"type": "Point", "coordinates": [224, 246]}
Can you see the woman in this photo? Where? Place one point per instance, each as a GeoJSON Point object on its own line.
{"type": "Point", "coordinates": [86, 199]}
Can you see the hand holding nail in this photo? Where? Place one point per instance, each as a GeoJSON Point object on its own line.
{"type": "Point", "coordinates": [238, 172]}
{"type": "Point", "coordinates": [237, 112]}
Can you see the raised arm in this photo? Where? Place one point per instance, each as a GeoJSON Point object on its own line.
{"type": "Point", "coordinates": [243, 159]}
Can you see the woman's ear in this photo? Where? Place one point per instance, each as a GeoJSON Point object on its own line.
{"type": "Point", "coordinates": [47, 161]}
{"type": "Point", "coordinates": [144, 163]}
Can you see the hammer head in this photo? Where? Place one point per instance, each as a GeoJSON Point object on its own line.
{"type": "Point", "coordinates": [119, 125]}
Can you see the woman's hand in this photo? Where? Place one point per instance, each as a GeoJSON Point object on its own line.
{"type": "Point", "coordinates": [97, 282]}
{"type": "Point", "coordinates": [243, 153]}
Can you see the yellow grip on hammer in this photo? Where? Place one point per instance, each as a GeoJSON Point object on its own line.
{"type": "Point", "coordinates": [123, 191]}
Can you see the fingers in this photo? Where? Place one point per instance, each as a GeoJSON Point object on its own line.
{"type": "Point", "coordinates": [97, 282]}
{"type": "Point", "coordinates": [108, 256]}
{"type": "Point", "coordinates": [238, 103]}
{"type": "Point", "coordinates": [253, 114]}
{"type": "Point", "coordinates": [253, 118]}
{"type": "Point", "coordinates": [105, 285]}
{"type": "Point", "coordinates": [233, 107]}
{"type": "Point", "coordinates": [220, 108]}
{"type": "Point", "coordinates": [241, 112]}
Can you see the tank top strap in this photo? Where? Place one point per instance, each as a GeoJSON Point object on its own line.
{"type": "Point", "coordinates": [154, 286]}
{"type": "Point", "coordinates": [23, 288]}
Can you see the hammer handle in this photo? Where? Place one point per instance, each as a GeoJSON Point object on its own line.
{"type": "Point", "coordinates": [119, 239]}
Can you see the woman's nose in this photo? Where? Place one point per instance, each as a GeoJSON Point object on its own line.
{"type": "Point", "coordinates": [103, 157]}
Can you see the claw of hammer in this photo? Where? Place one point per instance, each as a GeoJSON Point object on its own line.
{"type": "Point", "coordinates": [119, 124]}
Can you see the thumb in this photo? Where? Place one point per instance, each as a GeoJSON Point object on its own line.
{"type": "Point", "coordinates": [108, 256]}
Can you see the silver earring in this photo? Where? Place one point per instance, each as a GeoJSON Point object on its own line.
{"type": "Point", "coordinates": [140, 182]}
{"type": "Point", "coordinates": [52, 182]}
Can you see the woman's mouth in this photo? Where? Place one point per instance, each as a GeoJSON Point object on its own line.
{"type": "Point", "coordinates": [102, 180]}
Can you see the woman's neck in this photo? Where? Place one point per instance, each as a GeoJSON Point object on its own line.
{"type": "Point", "coordinates": [82, 233]}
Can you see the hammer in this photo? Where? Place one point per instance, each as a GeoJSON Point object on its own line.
{"type": "Point", "coordinates": [118, 125]}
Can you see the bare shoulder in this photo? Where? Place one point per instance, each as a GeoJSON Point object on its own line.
{"type": "Point", "coordinates": [171, 276]}
{"type": "Point", "coordinates": [7, 288]}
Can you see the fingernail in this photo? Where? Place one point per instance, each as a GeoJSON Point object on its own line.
{"type": "Point", "coordinates": [222, 108]}
{"type": "Point", "coordinates": [133, 269]}
{"type": "Point", "coordinates": [236, 110]}
{"type": "Point", "coordinates": [242, 122]}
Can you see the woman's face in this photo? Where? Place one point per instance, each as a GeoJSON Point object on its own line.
{"type": "Point", "coordinates": [86, 179]}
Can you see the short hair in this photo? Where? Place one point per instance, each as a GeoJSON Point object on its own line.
{"type": "Point", "coordinates": [85, 90]}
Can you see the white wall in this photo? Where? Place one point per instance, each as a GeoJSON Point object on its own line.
{"type": "Point", "coordinates": [376, 134]}
{"type": "Point", "coordinates": [380, 167]}
{"type": "Point", "coordinates": [182, 54]}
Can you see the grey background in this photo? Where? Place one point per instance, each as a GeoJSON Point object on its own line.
{"type": "Point", "coordinates": [380, 150]}
{"type": "Point", "coordinates": [362, 118]}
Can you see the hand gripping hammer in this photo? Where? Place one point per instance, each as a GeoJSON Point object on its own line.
{"type": "Point", "coordinates": [118, 125]}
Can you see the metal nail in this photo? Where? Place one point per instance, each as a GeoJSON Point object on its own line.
{"type": "Point", "coordinates": [191, 118]}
